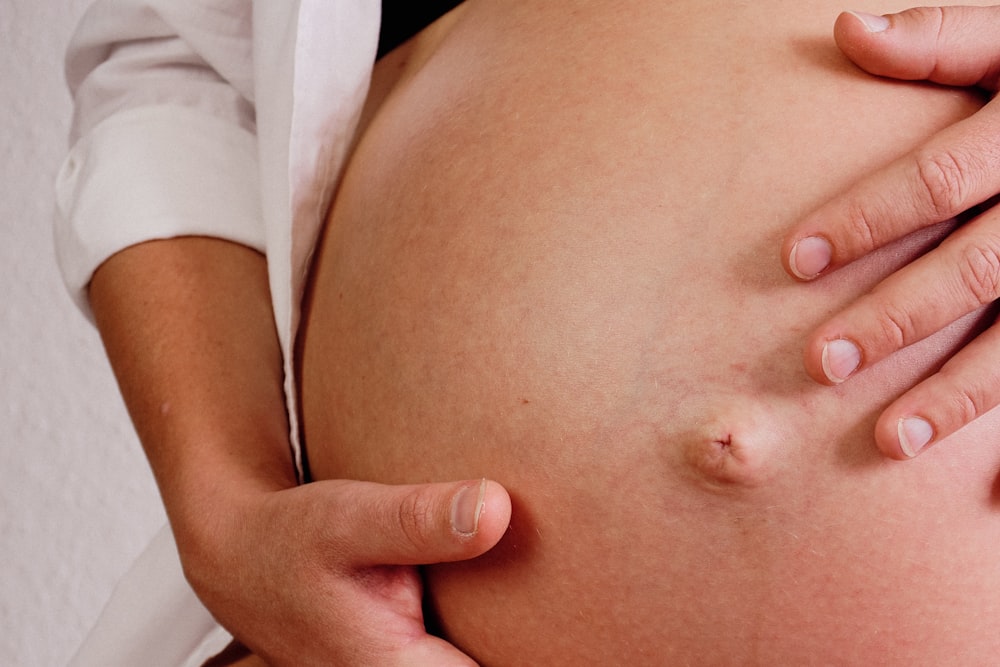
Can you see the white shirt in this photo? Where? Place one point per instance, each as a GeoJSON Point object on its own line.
{"type": "Point", "coordinates": [224, 118]}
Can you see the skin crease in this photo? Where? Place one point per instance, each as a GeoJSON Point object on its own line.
{"type": "Point", "coordinates": [566, 326]}
{"type": "Point", "coordinates": [951, 173]}
{"type": "Point", "coordinates": [187, 325]}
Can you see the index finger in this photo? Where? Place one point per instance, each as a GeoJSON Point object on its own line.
{"type": "Point", "coordinates": [954, 171]}
{"type": "Point", "coordinates": [956, 46]}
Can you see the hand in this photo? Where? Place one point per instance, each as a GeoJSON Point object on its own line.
{"type": "Point", "coordinates": [323, 574]}
{"type": "Point", "coordinates": [320, 574]}
{"type": "Point", "coordinates": [953, 172]}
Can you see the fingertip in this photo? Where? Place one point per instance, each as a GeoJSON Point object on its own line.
{"type": "Point", "coordinates": [900, 434]}
{"type": "Point", "coordinates": [854, 28]}
{"type": "Point", "coordinates": [480, 512]}
{"type": "Point", "coordinates": [914, 434]}
{"type": "Point", "coordinates": [852, 31]}
{"type": "Point", "coordinates": [809, 257]}
{"type": "Point", "coordinates": [871, 23]}
{"type": "Point", "coordinates": [495, 515]}
{"type": "Point", "coordinates": [840, 359]}
{"type": "Point", "coordinates": [467, 508]}
{"type": "Point", "coordinates": [867, 39]}
{"type": "Point", "coordinates": [814, 359]}
{"type": "Point", "coordinates": [887, 437]}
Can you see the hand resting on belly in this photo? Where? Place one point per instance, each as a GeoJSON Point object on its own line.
{"type": "Point", "coordinates": [552, 262]}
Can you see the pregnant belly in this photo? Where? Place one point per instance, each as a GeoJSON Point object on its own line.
{"type": "Point", "coordinates": [552, 262]}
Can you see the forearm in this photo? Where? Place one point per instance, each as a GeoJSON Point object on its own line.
{"type": "Point", "coordinates": [304, 575]}
{"type": "Point", "coordinates": [188, 328]}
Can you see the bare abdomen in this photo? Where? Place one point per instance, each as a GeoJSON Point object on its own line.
{"type": "Point", "coordinates": [553, 263]}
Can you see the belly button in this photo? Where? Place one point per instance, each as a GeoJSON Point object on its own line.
{"type": "Point", "coordinates": [723, 460]}
{"type": "Point", "coordinates": [735, 451]}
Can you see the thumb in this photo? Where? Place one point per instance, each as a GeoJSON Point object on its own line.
{"type": "Point", "coordinates": [420, 524]}
{"type": "Point", "coordinates": [955, 46]}
{"type": "Point", "coordinates": [430, 650]}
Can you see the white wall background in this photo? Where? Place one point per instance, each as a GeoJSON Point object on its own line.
{"type": "Point", "coordinates": [77, 502]}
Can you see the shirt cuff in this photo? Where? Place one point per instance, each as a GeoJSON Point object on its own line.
{"type": "Point", "coordinates": [154, 173]}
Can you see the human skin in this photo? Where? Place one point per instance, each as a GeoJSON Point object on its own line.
{"type": "Point", "coordinates": [301, 574]}
{"type": "Point", "coordinates": [552, 262]}
{"type": "Point", "coordinates": [952, 172]}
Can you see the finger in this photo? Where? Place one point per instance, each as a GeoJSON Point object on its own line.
{"type": "Point", "coordinates": [418, 524]}
{"type": "Point", "coordinates": [956, 170]}
{"type": "Point", "coordinates": [958, 277]}
{"type": "Point", "coordinates": [951, 45]}
{"type": "Point", "coordinates": [966, 387]}
{"type": "Point", "coordinates": [429, 650]}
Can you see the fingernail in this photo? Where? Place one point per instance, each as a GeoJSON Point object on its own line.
{"type": "Point", "coordinates": [810, 256]}
{"type": "Point", "coordinates": [841, 357]}
{"type": "Point", "coordinates": [914, 434]}
{"type": "Point", "coordinates": [872, 22]}
{"type": "Point", "coordinates": [466, 508]}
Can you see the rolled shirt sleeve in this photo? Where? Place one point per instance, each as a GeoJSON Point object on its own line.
{"type": "Point", "coordinates": [164, 135]}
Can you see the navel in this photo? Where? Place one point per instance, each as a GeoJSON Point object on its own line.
{"type": "Point", "coordinates": [736, 443]}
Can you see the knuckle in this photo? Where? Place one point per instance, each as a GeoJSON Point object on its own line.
{"type": "Point", "coordinates": [933, 23]}
{"type": "Point", "coordinates": [967, 404]}
{"type": "Point", "coordinates": [943, 177]}
{"type": "Point", "coordinates": [932, 17]}
{"type": "Point", "coordinates": [896, 326]}
{"type": "Point", "coordinates": [862, 227]}
{"type": "Point", "coordinates": [965, 396]}
{"type": "Point", "coordinates": [980, 270]}
{"type": "Point", "coordinates": [415, 514]}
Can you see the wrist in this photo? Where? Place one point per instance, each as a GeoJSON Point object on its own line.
{"type": "Point", "coordinates": [219, 479]}
{"type": "Point", "coordinates": [213, 517]}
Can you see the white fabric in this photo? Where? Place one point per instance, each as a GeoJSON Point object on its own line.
{"type": "Point", "coordinates": [226, 118]}
{"type": "Point", "coordinates": [151, 620]}
{"type": "Point", "coordinates": [108, 180]}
